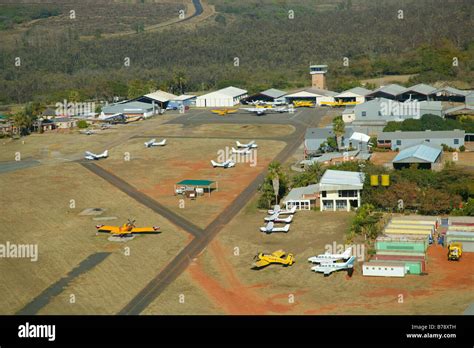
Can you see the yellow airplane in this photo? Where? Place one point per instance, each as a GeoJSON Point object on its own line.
{"type": "Point", "coordinates": [223, 112]}
{"type": "Point", "coordinates": [127, 229]}
{"type": "Point", "coordinates": [277, 257]}
{"type": "Point", "coordinates": [303, 104]}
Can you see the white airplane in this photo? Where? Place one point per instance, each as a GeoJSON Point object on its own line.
{"type": "Point", "coordinates": [251, 145]}
{"type": "Point", "coordinates": [245, 151]}
{"type": "Point", "coordinates": [88, 132]}
{"type": "Point", "coordinates": [275, 218]}
{"type": "Point", "coordinates": [153, 142]}
{"type": "Point", "coordinates": [270, 227]}
{"type": "Point", "coordinates": [276, 209]}
{"type": "Point", "coordinates": [226, 164]}
{"type": "Point", "coordinates": [92, 156]}
{"type": "Point", "coordinates": [328, 257]}
{"type": "Point", "coordinates": [282, 212]}
{"type": "Point", "coordinates": [329, 267]}
{"type": "Point", "coordinates": [257, 111]}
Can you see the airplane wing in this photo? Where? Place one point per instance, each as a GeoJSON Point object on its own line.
{"type": "Point", "coordinates": [105, 228]}
{"type": "Point", "coordinates": [153, 229]}
{"type": "Point", "coordinates": [279, 253]}
{"type": "Point", "coordinates": [231, 111]}
{"type": "Point", "coordinates": [329, 271]}
{"type": "Point", "coordinates": [261, 263]}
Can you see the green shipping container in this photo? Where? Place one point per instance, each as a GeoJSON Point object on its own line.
{"type": "Point", "coordinates": [409, 246]}
{"type": "Point", "coordinates": [413, 267]}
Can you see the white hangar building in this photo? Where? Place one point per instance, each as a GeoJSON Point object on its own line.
{"type": "Point", "coordinates": [226, 97]}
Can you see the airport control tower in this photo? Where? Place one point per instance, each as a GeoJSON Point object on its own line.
{"type": "Point", "coordinates": [318, 76]}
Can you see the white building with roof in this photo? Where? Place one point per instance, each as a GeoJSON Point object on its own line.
{"type": "Point", "coordinates": [356, 94]}
{"type": "Point", "coordinates": [340, 190]}
{"type": "Point", "coordinates": [315, 95]}
{"type": "Point", "coordinates": [225, 97]}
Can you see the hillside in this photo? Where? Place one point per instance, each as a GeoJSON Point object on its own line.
{"type": "Point", "coordinates": [274, 42]}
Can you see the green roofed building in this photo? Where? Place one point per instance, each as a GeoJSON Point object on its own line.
{"type": "Point", "coordinates": [184, 185]}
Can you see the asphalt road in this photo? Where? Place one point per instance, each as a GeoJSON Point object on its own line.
{"type": "Point", "coordinates": [179, 264]}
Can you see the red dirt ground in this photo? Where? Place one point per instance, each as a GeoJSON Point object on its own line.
{"type": "Point", "coordinates": [231, 295]}
{"type": "Point", "coordinates": [234, 297]}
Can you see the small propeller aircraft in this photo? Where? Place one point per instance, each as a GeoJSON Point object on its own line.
{"type": "Point", "coordinates": [92, 156]}
{"type": "Point", "coordinates": [328, 267]}
{"type": "Point", "coordinates": [277, 209]}
{"type": "Point", "coordinates": [88, 132]}
{"type": "Point", "coordinates": [226, 164]}
{"type": "Point", "coordinates": [245, 151]}
{"type": "Point", "coordinates": [276, 257]}
{"type": "Point", "coordinates": [251, 145]}
{"type": "Point", "coordinates": [126, 230]}
{"type": "Point", "coordinates": [259, 111]}
{"type": "Point", "coordinates": [303, 104]}
{"type": "Point", "coordinates": [328, 257]}
{"type": "Point", "coordinates": [223, 112]}
{"type": "Point", "coordinates": [276, 218]}
{"type": "Point", "coordinates": [153, 142]}
{"type": "Point", "coordinates": [270, 228]}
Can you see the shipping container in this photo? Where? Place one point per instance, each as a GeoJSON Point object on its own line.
{"type": "Point", "coordinates": [400, 253]}
{"type": "Point", "coordinates": [389, 269]}
{"type": "Point", "coordinates": [414, 222]}
{"type": "Point", "coordinates": [411, 227]}
{"type": "Point", "coordinates": [411, 266]}
{"type": "Point", "coordinates": [402, 231]}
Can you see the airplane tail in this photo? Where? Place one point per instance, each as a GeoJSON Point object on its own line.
{"type": "Point", "coordinates": [286, 228]}
{"type": "Point", "coordinates": [234, 150]}
{"type": "Point", "coordinates": [214, 164]}
{"type": "Point", "coordinates": [239, 144]}
{"type": "Point", "coordinates": [106, 153]}
{"type": "Point", "coordinates": [347, 253]}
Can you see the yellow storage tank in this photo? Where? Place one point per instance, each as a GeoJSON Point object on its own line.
{"type": "Point", "coordinates": [385, 180]}
{"type": "Point", "coordinates": [374, 180]}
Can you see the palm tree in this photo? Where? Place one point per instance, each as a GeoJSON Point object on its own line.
{"type": "Point", "coordinates": [339, 129]}
{"type": "Point", "coordinates": [275, 173]}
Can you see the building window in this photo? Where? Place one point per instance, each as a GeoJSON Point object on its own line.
{"type": "Point", "coordinates": [456, 141]}
{"type": "Point", "coordinates": [380, 113]}
{"type": "Point", "coordinates": [347, 193]}
{"type": "Point", "coordinates": [427, 140]}
{"type": "Point", "coordinates": [323, 194]}
{"type": "Point", "coordinates": [364, 113]}
{"type": "Point", "coordinates": [399, 142]}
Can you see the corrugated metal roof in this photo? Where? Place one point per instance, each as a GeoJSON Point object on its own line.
{"type": "Point", "coordinates": [298, 192]}
{"type": "Point", "coordinates": [160, 96]}
{"type": "Point", "coordinates": [324, 133]}
{"type": "Point", "coordinates": [230, 91]}
{"type": "Point", "coordinates": [184, 97]}
{"type": "Point", "coordinates": [422, 89]}
{"type": "Point", "coordinates": [422, 152]}
{"type": "Point", "coordinates": [340, 177]}
{"type": "Point", "coordinates": [421, 135]}
{"type": "Point", "coordinates": [356, 90]}
{"type": "Point", "coordinates": [127, 107]}
{"type": "Point", "coordinates": [452, 90]}
{"type": "Point", "coordinates": [273, 93]}
{"type": "Point", "coordinates": [459, 108]}
{"type": "Point", "coordinates": [392, 89]}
